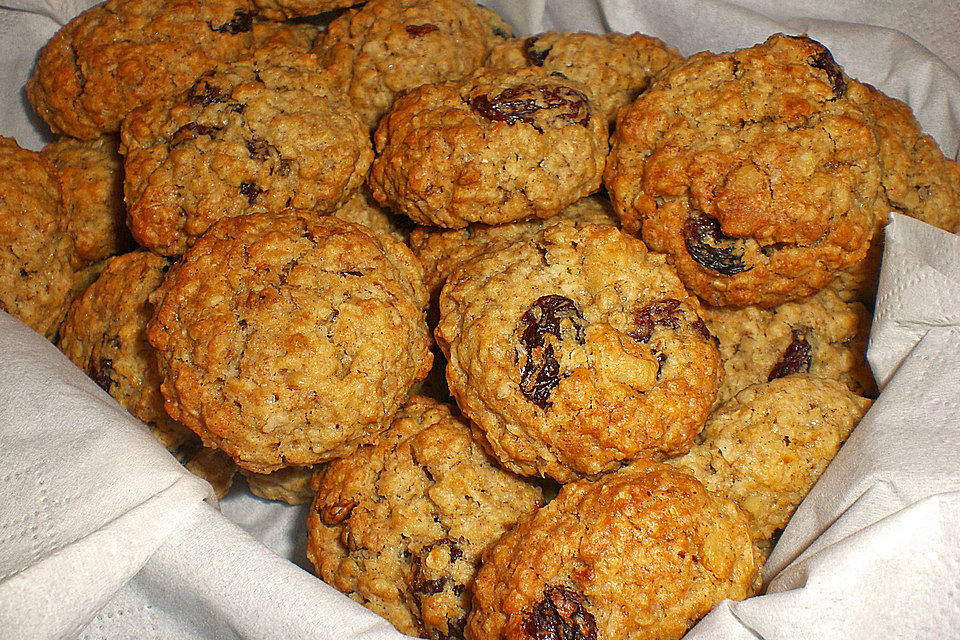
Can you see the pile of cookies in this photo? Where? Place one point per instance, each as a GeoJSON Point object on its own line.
{"type": "Point", "coordinates": [555, 332]}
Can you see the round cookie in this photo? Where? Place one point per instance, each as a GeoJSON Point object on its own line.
{"type": "Point", "coordinates": [387, 47]}
{"type": "Point", "coordinates": [91, 177]}
{"type": "Point", "coordinates": [36, 251]}
{"type": "Point", "coordinates": [288, 341]}
{"type": "Point", "coordinates": [754, 170]}
{"type": "Point", "coordinates": [642, 553]}
{"type": "Point", "coordinates": [105, 334]}
{"type": "Point", "coordinates": [247, 138]}
{"type": "Point", "coordinates": [765, 448]}
{"type": "Point", "coordinates": [122, 53]}
{"type": "Point", "coordinates": [496, 147]}
{"type": "Point", "coordinates": [615, 67]}
{"type": "Point", "coordinates": [400, 525]}
{"type": "Point", "coordinates": [575, 351]}
{"type": "Point", "coordinates": [290, 485]}
{"type": "Point", "coordinates": [821, 335]}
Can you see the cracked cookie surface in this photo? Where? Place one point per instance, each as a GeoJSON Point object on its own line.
{"type": "Point", "coordinates": [288, 341]}
{"type": "Point", "coordinates": [642, 553]}
{"type": "Point", "coordinates": [105, 334]}
{"type": "Point", "coordinates": [495, 147]}
{"type": "Point", "coordinates": [120, 54]}
{"type": "Point", "coordinates": [577, 350]}
{"type": "Point", "coordinates": [400, 525]}
{"type": "Point", "coordinates": [247, 138]}
{"type": "Point", "coordinates": [754, 170]}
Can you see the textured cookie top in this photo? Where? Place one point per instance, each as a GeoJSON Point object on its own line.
{"type": "Point", "coordinates": [400, 525]}
{"type": "Point", "coordinates": [642, 553]}
{"type": "Point", "coordinates": [245, 138]}
{"type": "Point", "coordinates": [288, 341]}
{"type": "Point", "coordinates": [754, 170]}
{"type": "Point", "coordinates": [496, 147]}
{"type": "Point", "coordinates": [36, 250]}
{"type": "Point", "coordinates": [105, 334]}
{"type": "Point", "coordinates": [576, 350]}
{"type": "Point", "coordinates": [387, 47]}
{"type": "Point", "coordinates": [123, 53]}
{"type": "Point", "coordinates": [765, 448]}
{"type": "Point", "coordinates": [283, 9]}
{"type": "Point", "coordinates": [91, 177]}
{"type": "Point", "coordinates": [821, 335]}
{"type": "Point", "coordinates": [615, 67]}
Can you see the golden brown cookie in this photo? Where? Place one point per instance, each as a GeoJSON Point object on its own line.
{"type": "Point", "coordinates": [91, 177]}
{"type": "Point", "coordinates": [105, 334]}
{"type": "Point", "coordinates": [615, 67]}
{"type": "Point", "coordinates": [36, 250]}
{"type": "Point", "coordinates": [255, 136]}
{"type": "Point", "coordinates": [642, 553]}
{"type": "Point", "coordinates": [495, 147]}
{"type": "Point", "coordinates": [387, 47]}
{"type": "Point", "coordinates": [821, 335]}
{"type": "Point", "coordinates": [122, 53]}
{"type": "Point", "coordinates": [754, 170]}
{"type": "Point", "coordinates": [290, 485]}
{"type": "Point", "coordinates": [765, 448]}
{"type": "Point", "coordinates": [283, 9]}
{"type": "Point", "coordinates": [575, 351]}
{"type": "Point", "coordinates": [288, 341]}
{"type": "Point", "coordinates": [400, 525]}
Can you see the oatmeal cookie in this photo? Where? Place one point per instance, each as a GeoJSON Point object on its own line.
{"type": "Point", "coordinates": [387, 47]}
{"type": "Point", "coordinates": [91, 177]}
{"type": "Point", "coordinates": [400, 525]}
{"type": "Point", "coordinates": [615, 67]}
{"type": "Point", "coordinates": [105, 334]}
{"type": "Point", "coordinates": [123, 53]}
{"type": "Point", "coordinates": [496, 147]}
{"type": "Point", "coordinates": [642, 553]}
{"type": "Point", "coordinates": [821, 335]}
{"type": "Point", "coordinates": [36, 251]}
{"type": "Point", "coordinates": [299, 35]}
{"type": "Point", "coordinates": [290, 485]}
{"type": "Point", "coordinates": [286, 340]}
{"type": "Point", "coordinates": [577, 350]}
{"type": "Point", "coordinates": [247, 138]}
{"type": "Point", "coordinates": [754, 170]}
{"type": "Point", "coordinates": [765, 448]}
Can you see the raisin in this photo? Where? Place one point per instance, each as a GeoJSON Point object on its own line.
{"type": "Point", "coordinates": [561, 615]}
{"type": "Point", "coordinates": [656, 314]}
{"type": "Point", "coordinates": [454, 627]}
{"type": "Point", "coordinates": [796, 359]}
{"type": "Point", "coordinates": [191, 131]}
{"type": "Point", "coordinates": [823, 60]}
{"type": "Point", "coordinates": [417, 30]}
{"type": "Point", "coordinates": [533, 56]}
{"type": "Point", "coordinates": [334, 514]}
{"type": "Point", "coordinates": [103, 374]}
{"type": "Point", "coordinates": [708, 246]}
{"type": "Point", "coordinates": [522, 102]}
{"type": "Point", "coordinates": [258, 149]}
{"type": "Point", "coordinates": [701, 327]}
{"type": "Point", "coordinates": [250, 190]}
{"type": "Point", "coordinates": [203, 94]}
{"type": "Point", "coordinates": [540, 373]}
{"type": "Point", "coordinates": [242, 22]}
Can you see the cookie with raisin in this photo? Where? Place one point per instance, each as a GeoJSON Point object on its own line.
{"type": "Point", "coordinates": [37, 279]}
{"type": "Point", "coordinates": [387, 47]}
{"type": "Point", "coordinates": [400, 525]}
{"type": "Point", "coordinates": [287, 340]}
{"type": "Point", "coordinates": [120, 54]}
{"type": "Point", "coordinates": [495, 147]}
{"type": "Point", "coordinates": [767, 446]}
{"type": "Point", "coordinates": [641, 553]}
{"type": "Point", "coordinates": [575, 351]}
{"type": "Point", "coordinates": [755, 171]}
{"type": "Point", "coordinates": [252, 137]}
{"type": "Point", "coordinates": [91, 177]}
{"type": "Point", "coordinates": [615, 67]}
{"type": "Point", "coordinates": [105, 334]}
{"type": "Point", "coordinates": [821, 335]}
